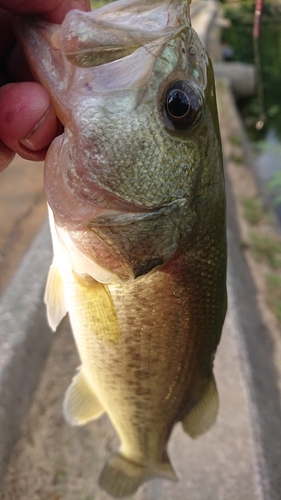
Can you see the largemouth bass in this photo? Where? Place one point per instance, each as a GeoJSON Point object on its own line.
{"type": "Point", "coordinates": [135, 188]}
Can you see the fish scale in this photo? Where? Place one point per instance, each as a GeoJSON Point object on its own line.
{"type": "Point", "coordinates": [135, 188]}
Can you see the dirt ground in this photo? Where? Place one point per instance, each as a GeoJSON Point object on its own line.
{"type": "Point", "coordinates": [22, 211]}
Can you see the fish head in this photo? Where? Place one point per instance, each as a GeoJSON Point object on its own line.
{"type": "Point", "coordinates": [133, 87]}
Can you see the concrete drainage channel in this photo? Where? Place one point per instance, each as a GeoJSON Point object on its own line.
{"type": "Point", "coordinates": [25, 339]}
{"type": "Point", "coordinates": [246, 442]}
{"type": "Point", "coordinates": [257, 363]}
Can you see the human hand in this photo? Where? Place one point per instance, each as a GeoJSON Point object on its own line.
{"type": "Point", "coordinates": [28, 122]}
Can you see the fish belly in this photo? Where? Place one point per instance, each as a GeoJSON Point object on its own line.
{"type": "Point", "coordinates": [147, 348]}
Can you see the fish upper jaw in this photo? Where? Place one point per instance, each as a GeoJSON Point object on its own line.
{"type": "Point", "coordinates": [89, 39]}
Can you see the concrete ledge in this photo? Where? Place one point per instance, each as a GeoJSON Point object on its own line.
{"type": "Point", "coordinates": [202, 19]}
{"type": "Point", "coordinates": [259, 346]}
{"type": "Point", "coordinates": [241, 76]}
{"type": "Point", "coordinates": [256, 352]}
{"type": "Point", "coordinates": [24, 340]}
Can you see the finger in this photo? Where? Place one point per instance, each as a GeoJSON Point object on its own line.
{"type": "Point", "coordinates": [28, 121]}
{"type": "Point", "coordinates": [52, 11]}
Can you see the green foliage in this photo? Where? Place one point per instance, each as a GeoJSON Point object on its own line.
{"type": "Point", "coordinates": [240, 12]}
{"type": "Point", "coordinates": [239, 36]}
{"type": "Point", "coordinates": [273, 110]}
{"type": "Point", "coordinates": [238, 9]}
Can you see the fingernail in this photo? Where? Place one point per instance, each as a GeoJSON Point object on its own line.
{"type": "Point", "coordinates": [42, 133]}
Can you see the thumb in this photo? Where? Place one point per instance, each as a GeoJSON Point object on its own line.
{"type": "Point", "coordinates": [28, 121]}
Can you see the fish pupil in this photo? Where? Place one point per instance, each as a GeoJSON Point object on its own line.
{"type": "Point", "coordinates": [183, 103]}
{"type": "Point", "coordinates": [178, 103]}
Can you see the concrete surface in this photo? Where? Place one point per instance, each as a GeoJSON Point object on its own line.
{"type": "Point", "coordinates": [238, 459]}
{"type": "Point", "coordinates": [202, 15]}
{"type": "Point", "coordinates": [241, 76]}
{"type": "Point", "coordinates": [259, 345]}
{"type": "Point", "coordinates": [53, 461]}
{"type": "Point", "coordinates": [24, 340]}
{"type": "Point", "coordinates": [221, 465]}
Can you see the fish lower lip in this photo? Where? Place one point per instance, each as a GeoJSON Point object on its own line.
{"type": "Point", "coordinates": [125, 218]}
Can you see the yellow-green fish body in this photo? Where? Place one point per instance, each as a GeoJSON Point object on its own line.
{"type": "Point", "coordinates": [137, 209]}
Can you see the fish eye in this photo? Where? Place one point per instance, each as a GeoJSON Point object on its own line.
{"type": "Point", "coordinates": [183, 104]}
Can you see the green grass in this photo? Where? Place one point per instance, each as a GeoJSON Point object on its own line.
{"type": "Point", "coordinates": [267, 248]}
{"type": "Point", "coordinates": [60, 476]}
{"type": "Point", "coordinates": [235, 140]}
{"type": "Point", "coordinates": [236, 158]}
{"type": "Point", "coordinates": [273, 288]}
{"type": "Point", "coordinates": [253, 210]}
{"type": "Point", "coordinates": [274, 187]}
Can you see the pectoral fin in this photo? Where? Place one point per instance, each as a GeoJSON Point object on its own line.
{"type": "Point", "coordinates": [120, 477]}
{"type": "Point", "coordinates": [81, 405]}
{"type": "Point", "coordinates": [204, 414]}
{"type": "Point", "coordinates": [54, 297]}
{"type": "Point", "coordinates": [96, 310]}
